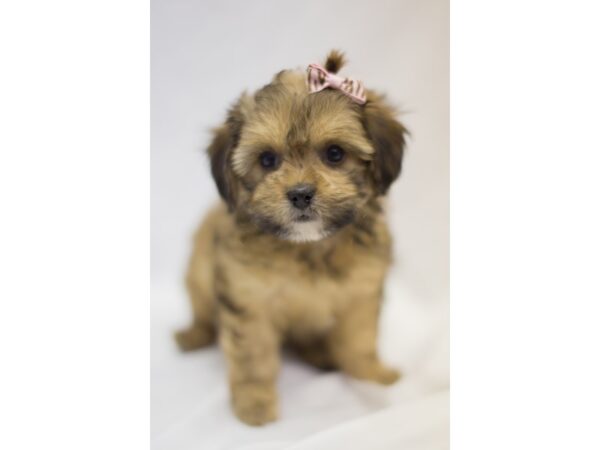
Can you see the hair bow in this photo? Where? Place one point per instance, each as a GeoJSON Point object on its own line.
{"type": "Point", "coordinates": [319, 78]}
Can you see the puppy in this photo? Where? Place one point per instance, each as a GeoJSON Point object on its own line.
{"type": "Point", "coordinates": [299, 249]}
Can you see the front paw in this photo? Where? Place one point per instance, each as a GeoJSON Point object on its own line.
{"type": "Point", "coordinates": [255, 403]}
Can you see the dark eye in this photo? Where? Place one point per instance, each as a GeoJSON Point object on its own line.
{"type": "Point", "coordinates": [268, 159]}
{"type": "Point", "coordinates": [334, 154]}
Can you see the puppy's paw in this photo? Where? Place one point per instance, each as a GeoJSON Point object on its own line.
{"type": "Point", "coordinates": [255, 404]}
{"type": "Point", "coordinates": [373, 370]}
{"type": "Point", "coordinates": [386, 376]}
{"type": "Point", "coordinates": [194, 337]}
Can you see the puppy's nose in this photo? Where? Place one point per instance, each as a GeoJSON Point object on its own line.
{"type": "Point", "coordinates": [301, 195]}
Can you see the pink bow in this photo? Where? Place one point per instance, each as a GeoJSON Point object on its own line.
{"type": "Point", "coordinates": [319, 78]}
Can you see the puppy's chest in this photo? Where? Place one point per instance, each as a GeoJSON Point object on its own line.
{"type": "Point", "coordinates": [302, 288]}
{"type": "Point", "coordinates": [306, 291]}
{"type": "Point", "coordinates": [308, 302]}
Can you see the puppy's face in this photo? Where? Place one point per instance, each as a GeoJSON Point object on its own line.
{"type": "Point", "coordinates": [300, 165]}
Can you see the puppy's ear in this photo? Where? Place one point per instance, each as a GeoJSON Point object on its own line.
{"type": "Point", "coordinates": [388, 137]}
{"type": "Point", "coordinates": [225, 139]}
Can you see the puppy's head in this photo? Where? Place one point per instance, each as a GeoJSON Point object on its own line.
{"type": "Point", "coordinates": [303, 165]}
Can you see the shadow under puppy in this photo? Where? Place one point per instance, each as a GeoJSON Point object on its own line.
{"type": "Point", "coordinates": [299, 250]}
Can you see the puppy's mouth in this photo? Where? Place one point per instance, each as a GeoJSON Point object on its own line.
{"type": "Point", "coordinates": [302, 216]}
{"type": "Point", "coordinates": [305, 216]}
{"type": "Point", "coordinates": [307, 225]}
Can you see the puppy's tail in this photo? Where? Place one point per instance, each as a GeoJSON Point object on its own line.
{"type": "Point", "coordinates": [335, 61]}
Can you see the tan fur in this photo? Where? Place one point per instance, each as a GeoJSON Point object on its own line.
{"type": "Point", "coordinates": [252, 283]}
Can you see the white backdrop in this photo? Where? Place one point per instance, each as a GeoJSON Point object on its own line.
{"type": "Point", "coordinates": [204, 53]}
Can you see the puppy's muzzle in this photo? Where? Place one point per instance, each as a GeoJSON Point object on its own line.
{"type": "Point", "coordinates": [301, 196]}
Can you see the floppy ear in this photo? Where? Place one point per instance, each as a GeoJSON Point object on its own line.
{"type": "Point", "coordinates": [388, 138]}
{"type": "Point", "coordinates": [225, 139]}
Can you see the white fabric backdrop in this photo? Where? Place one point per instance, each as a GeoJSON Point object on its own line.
{"type": "Point", "coordinates": [204, 53]}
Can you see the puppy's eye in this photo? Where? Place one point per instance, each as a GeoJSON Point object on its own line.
{"type": "Point", "coordinates": [268, 159]}
{"type": "Point", "coordinates": [334, 154]}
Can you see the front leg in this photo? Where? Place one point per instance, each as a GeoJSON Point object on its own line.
{"type": "Point", "coordinates": [251, 347]}
{"type": "Point", "coordinates": [353, 343]}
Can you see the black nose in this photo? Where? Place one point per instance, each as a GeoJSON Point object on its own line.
{"type": "Point", "coordinates": [301, 195]}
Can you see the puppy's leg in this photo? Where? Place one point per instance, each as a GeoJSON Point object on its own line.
{"type": "Point", "coordinates": [202, 330]}
{"type": "Point", "coordinates": [251, 347]}
{"type": "Point", "coordinates": [200, 286]}
{"type": "Point", "coordinates": [353, 343]}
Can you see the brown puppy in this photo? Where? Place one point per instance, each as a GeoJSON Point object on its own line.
{"type": "Point", "coordinates": [299, 252]}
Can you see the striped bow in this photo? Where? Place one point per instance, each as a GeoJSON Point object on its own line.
{"type": "Point", "coordinates": [319, 78]}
